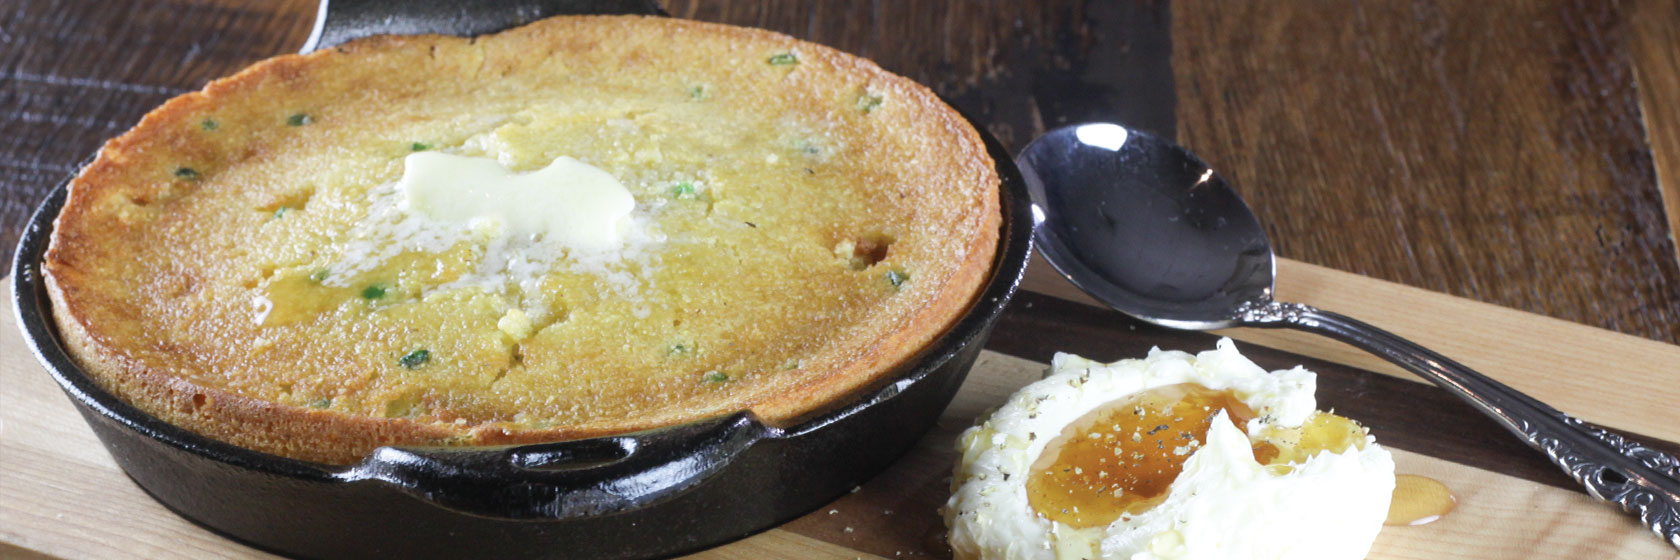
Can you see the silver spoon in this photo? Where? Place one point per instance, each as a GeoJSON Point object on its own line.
{"type": "Point", "coordinates": [1144, 226]}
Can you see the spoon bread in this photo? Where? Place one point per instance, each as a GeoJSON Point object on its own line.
{"type": "Point", "coordinates": [244, 263]}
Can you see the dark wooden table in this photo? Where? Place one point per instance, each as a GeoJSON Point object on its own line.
{"type": "Point", "coordinates": [1523, 153]}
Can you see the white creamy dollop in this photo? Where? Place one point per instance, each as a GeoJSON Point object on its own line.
{"type": "Point", "coordinates": [569, 203]}
{"type": "Point", "coordinates": [1223, 505]}
{"type": "Point", "coordinates": [1226, 505]}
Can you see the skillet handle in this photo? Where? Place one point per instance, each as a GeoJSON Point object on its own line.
{"type": "Point", "coordinates": [338, 21]}
{"type": "Point", "coordinates": [568, 479]}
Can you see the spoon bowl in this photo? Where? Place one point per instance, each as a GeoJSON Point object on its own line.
{"type": "Point", "coordinates": [1175, 246]}
{"type": "Point", "coordinates": [1150, 229]}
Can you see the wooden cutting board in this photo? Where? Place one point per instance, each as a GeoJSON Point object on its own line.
{"type": "Point", "coordinates": [61, 495]}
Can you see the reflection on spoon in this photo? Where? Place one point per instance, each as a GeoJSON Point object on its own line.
{"type": "Point", "coordinates": [1147, 228]}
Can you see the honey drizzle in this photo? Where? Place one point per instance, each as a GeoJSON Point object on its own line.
{"type": "Point", "coordinates": [1122, 458]}
{"type": "Point", "coordinates": [1419, 500]}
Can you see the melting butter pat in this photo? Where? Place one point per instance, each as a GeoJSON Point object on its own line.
{"type": "Point", "coordinates": [570, 203]}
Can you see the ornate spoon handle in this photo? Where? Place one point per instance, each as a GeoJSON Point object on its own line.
{"type": "Point", "coordinates": [1644, 481]}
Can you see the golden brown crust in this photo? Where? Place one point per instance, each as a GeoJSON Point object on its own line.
{"type": "Point", "coordinates": [152, 322]}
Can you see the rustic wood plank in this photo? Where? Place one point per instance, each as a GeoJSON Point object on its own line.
{"type": "Point", "coordinates": [1490, 150]}
{"type": "Point", "coordinates": [1656, 67]}
{"type": "Point", "coordinates": [1498, 517]}
{"type": "Point", "coordinates": [779, 543]}
{"type": "Point", "coordinates": [1017, 67]}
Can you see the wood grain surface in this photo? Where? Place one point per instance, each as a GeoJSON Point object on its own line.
{"type": "Point", "coordinates": [1498, 151]}
{"type": "Point", "coordinates": [1656, 66]}
{"type": "Point", "coordinates": [1463, 145]}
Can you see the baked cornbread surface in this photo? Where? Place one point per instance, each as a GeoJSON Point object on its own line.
{"type": "Point", "coordinates": [238, 264]}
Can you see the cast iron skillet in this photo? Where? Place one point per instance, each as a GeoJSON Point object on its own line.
{"type": "Point", "coordinates": [652, 493]}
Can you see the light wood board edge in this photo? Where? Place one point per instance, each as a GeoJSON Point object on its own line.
{"type": "Point", "coordinates": [1498, 516]}
{"type": "Point", "coordinates": [779, 543]}
{"type": "Point", "coordinates": [1604, 377]}
{"type": "Point", "coordinates": [1654, 39]}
